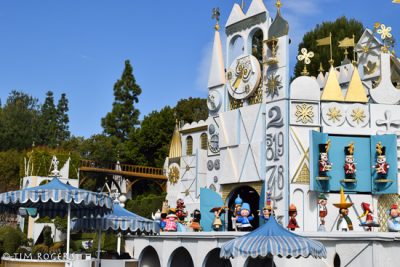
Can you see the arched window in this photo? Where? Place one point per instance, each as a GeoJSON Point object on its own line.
{"type": "Point", "coordinates": [203, 141]}
{"type": "Point", "coordinates": [257, 45]}
{"type": "Point", "coordinates": [236, 48]}
{"type": "Point", "coordinates": [189, 145]}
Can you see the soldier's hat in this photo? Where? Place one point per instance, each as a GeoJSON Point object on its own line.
{"type": "Point", "coordinates": [349, 150]}
{"type": "Point", "coordinates": [322, 148]}
{"type": "Point", "coordinates": [322, 196]}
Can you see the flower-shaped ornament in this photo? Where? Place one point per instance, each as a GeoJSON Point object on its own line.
{"type": "Point", "coordinates": [305, 56]}
{"type": "Point", "coordinates": [384, 32]}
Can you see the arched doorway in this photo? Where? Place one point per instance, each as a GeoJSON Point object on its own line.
{"type": "Point", "coordinates": [248, 195]}
{"type": "Point", "coordinates": [149, 258]}
{"type": "Point", "coordinates": [180, 257]}
{"type": "Point", "coordinates": [259, 262]}
{"type": "Point", "coordinates": [213, 260]}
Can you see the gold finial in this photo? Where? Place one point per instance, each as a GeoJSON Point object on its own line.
{"type": "Point", "coordinates": [215, 15]}
{"type": "Point", "coordinates": [306, 57]}
{"type": "Point", "coordinates": [321, 68]}
{"type": "Point", "coordinates": [278, 4]}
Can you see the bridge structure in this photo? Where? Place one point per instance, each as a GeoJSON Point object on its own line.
{"type": "Point", "coordinates": [132, 173]}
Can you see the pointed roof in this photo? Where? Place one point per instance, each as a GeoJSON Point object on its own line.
{"type": "Point", "coordinates": [356, 91]}
{"type": "Point", "coordinates": [217, 70]}
{"type": "Point", "coordinates": [279, 27]}
{"type": "Point", "coordinates": [236, 15]}
{"type": "Point", "coordinates": [175, 149]}
{"type": "Point", "coordinates": [332, 90]}
{"type": "Point", "coordinates": [256, 7]}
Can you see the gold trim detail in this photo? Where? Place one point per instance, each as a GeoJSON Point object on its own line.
{"type": "Point", "coordinates": [304, 175]}
{"type": "Point", "coordinates": [332, 90]}
{"type": "Point", "coordinates": [226, 189]}
{"type": "Point", "coordinates": [384, 203]}
{"type": "Point", "coordinates": [257, 97]}
{"type": "Point", "coordinates": [358, 115]}
{"type": "Point", "coordinates": [235, 103]}
{"type": "Point", "coordinates": [356, 91]}
{"type": "Point", "coordinates": [173, 175]}
{"type": "Point", "coordinates": [334, 114]}
{"type": "Point", "coordinates": [304, 113]}
{"type": "Point", "coordinates": [175, 149]}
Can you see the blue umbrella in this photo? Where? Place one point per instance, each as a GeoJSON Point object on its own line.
{"type": "Point", "coordinates": [272, 239]}
{"type": "Point", "coordinates": [119, 220]}
{"type": "Point", "coordinates": [57, 199]}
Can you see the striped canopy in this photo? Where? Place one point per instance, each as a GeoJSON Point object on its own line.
{"type": "Point", "coordinates": [52, 200]}
{"type": "Point", "coordinates": [120, 220]}
{"type": "Point", "coordinates": [272, 239]}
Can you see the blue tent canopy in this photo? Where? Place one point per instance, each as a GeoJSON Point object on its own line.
{"type": "Point", "coordinates": [272, 239]}
{"type": "Point", "coordinates": [120, 220]}
{"type": "Point", "coordinates": [53, 198]}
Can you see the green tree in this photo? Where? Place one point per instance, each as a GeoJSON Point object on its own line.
{"type": "Point", "coordinates": [48, 122]}
{"type": "Point", "coordinates": [10, 239]}
{"type": "Point", "coordinates": [10, 170]}
{"type": "Point", "coordinates": [63, 132]}
{"type": "Point", "coordinates": [124, 116]}
{"type": "Point", "coordinates": [340, 29]}
{"type": "Point", "coordinates": [18, 121]}
{"type": "Point", "coordinates": [191, 109]}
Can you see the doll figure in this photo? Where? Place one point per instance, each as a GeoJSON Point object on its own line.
{"type": "Point", "coordinates": [171, 221]}
{"type": "Point", "coordinates": [267, 210]}
{"type": "Point", "coordinates": [217, 222]}
{"type": "Point", "coordinates": [381, 167]}
{"type": "Point", "coordinates": [344, 223]}
{"type": "Point", "coordinates": [236, 213]}
{"type": "Point", "coordinates": [164, 213]}
{"type": "Point", "coordinates": [180, 210]}
{"type": "Point", "coordinates": [292, 221]}
{"type": "Point", "coordinates": [324, 164]}
{"type": "Point", "coordinates": [245, 218]}
{"type": "Point", "coordinates": [368, 213]}
{"type": "Point", "coordinates": [393, 223]}
{"type": "Point", "coordinates": [349, 165]}
{"type": "Point", "coordinates": [195, 224]}
{"type": "Point", "coordinates": [157, 217]}
{"type": "Point", "coordinates": [323, 211]}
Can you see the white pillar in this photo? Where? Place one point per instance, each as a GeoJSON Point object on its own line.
{"type": "Point", "coordinates": [119, 244]}
{"type": "Point", "coordinates": [68, 229]}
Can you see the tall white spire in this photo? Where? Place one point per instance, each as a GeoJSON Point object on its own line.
{"type": "Point", "coordinates": [217, 71]}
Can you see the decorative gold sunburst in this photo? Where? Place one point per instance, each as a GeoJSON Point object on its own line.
{"type": "Point", "coordinates": [304, 113]}
{"type": "Point", "coordinates": [173, 175]}
{"type": "Point", "coordinates": [334, 114]}
{"type": "Point", "coordinates": [274, 84]}
{"type": "Point", "coordinates": [358, 115]}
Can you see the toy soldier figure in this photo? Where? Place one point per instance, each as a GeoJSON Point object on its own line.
{"type": "Point", "coordinates": [324, 164]}
{"type": "Point", "coordinates": [381, 167]}
{"type": "Point", "coordinates": [349, 165]}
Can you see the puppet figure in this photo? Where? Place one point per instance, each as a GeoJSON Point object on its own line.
{"type": "Point", "coordinates": [292, 221]}
{"type": "Point", "coordinates": [267, 210]}
{"type": "Point", "coordinates": [236, 213]}
{"type": "Point", "coordinates": [245, 218]}
{"type": "Point", "coordinates": [324, 165]}
{"type": "Point", "coordinates": [180, 210]}
{"type": "Point", "coordinates": [393, 223]}
{"type": "Point", "coordinates": [368, 213]}
{"type": "Point", "coordinates": [323, 211]}
{"type": "Point", "coordinates": [164, 213]}
{"type": "Point", "coordinates": [349, 165]}
{"type": "Point", "coordinates": [195, 224]}
{"type": "Point", "coordinates": [171, 221]}
{"type": "Point", "coordinates": [381, 167]}
{"type": "Point", "coordinates": [344, 223]}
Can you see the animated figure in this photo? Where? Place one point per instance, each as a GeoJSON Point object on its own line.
{"type": "Point", "coordinates": [344, 223]}
{"type": "Point", "coordinates": [180, 210]}
{"type": "Point", "coordinates": [157, 217]}
{"type": "Point", "coordinates": [236, 212]}
{"type": "Point", "coordinates": [350, 165]}
{"type": "Point", "coordinates": [217, 223]}
{"type": "Point", "coordinates": [368, 213]}
{"type": "Point", "coordinates": [323, 211]}
{"type": "Point", "coordinates": [324, 164]}
{"type": "Point", "coordinates": [393, 222]}
{"type": "Point", "coordinates": [164, 212]}
{"type": "Point", "coordinates": [292, 221]}
{"type": "Point", "coordinates": [171, 221]}
{"type": "Point", "coordinates": [267, 210]}
{"type": "Point", "coordinates": [381, 167]}
{"type": "Point", "coordinates": [195, 224]}
{"type": "Point", "coordinates": [245, 218]}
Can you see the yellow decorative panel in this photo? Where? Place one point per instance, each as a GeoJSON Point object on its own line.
{"type": "Point", "coordinates": [332, 90]}
{"type": "Point", "coordinates": [303, 176]}
{"type": "Point", "coordinates": [235, 103]}
{"type": "Point", "coordinates": [384, 203]}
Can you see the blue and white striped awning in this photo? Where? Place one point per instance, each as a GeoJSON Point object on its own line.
{"type": "Point", "coordinates": [120, 220]}
{"type": "Point", "coordinates": [52, 200]}
{"type": "Point", "coordinates": [272, 239]}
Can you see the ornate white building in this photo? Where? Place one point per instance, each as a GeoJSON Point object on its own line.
{"type": "Point", "coordinates": [263, 135]}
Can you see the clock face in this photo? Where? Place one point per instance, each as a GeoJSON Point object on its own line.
{"type": "Point", "coordinates": [214, 143]}
{"type": "Point", "coordinates": [243, 76]}
{"type": "Point", "coordinates": [214, 101]}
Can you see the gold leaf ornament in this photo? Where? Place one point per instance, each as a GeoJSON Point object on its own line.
{"type": "Point", "coordinates": [173, 175]}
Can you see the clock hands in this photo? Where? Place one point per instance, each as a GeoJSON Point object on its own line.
{"type": "Point", "coordinates": [238, 79]}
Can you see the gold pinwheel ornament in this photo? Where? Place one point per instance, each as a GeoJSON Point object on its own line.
{"type": "Point", "coordinates": [306, 57]}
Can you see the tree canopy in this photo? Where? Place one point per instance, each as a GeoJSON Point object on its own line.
{"type": "Point", "coordinates": [340, 29]}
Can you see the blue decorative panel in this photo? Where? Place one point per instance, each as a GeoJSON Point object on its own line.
{"type": "Point", "coordinates": [362, 158]}
{"type": "Point", "coordinates": [379, 186]}
{"type": "Point", "coordinates": [316, 138]}
{"type": "Point", "coordinates": [208, 200]}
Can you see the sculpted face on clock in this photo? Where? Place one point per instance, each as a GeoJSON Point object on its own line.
{"type": "Point", "coordinates": [243, 76]}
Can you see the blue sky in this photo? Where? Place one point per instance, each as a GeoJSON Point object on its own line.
{"type": "Point", "coordinates": [79, 47]}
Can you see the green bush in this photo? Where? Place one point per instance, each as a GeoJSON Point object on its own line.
{"type": "Point", "coordinates": [41, 248]}
{"type": "Point", "coordinates": [10, 239]}
{"type": "Point", "coordinates": [145, 205]}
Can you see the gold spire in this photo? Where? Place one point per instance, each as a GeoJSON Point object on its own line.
{"type": "Point", "coordinates": [332, 90]}
{"type": "Point", "coordinates": [321, 68]}
{"type": "Point", "coordinates": [278, 4]}
{"type": "Point", "coordinates": [356, 91]}
{"type": "Point", "coordinates": [175, 149]}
